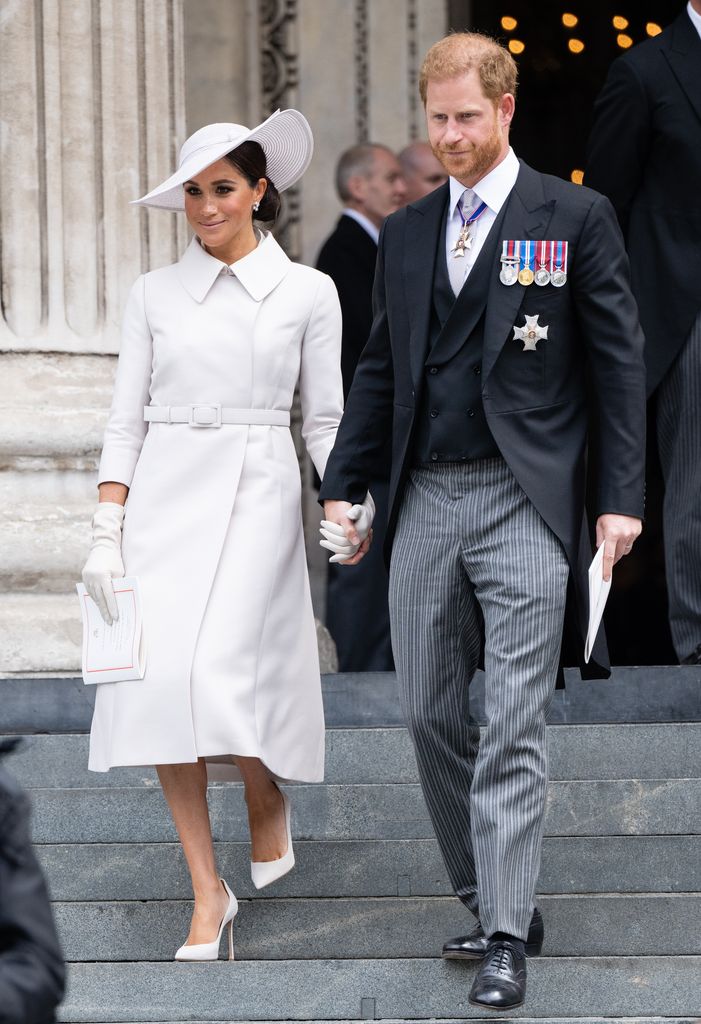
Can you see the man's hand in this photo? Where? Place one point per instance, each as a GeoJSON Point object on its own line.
{"type": "Point", "coordinates": [618, 534]}
{"type": "Point", "coordinates": [336, 512]}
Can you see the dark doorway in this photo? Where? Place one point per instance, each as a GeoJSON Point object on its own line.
{"type": "Point", "coordinates": [563, 50]}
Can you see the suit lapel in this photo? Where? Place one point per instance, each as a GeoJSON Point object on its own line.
{"type": "Point", "coordinates": [527, 216]}
{"type": "Point", "coordinates": [684, 56]}
{"type": "Point", "coordinates": [423, 230]}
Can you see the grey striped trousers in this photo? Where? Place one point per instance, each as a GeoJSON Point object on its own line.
{"type": "Point", "coordinates": [469, 547]}
{"type": "Point", "coordinates": [679, 444]}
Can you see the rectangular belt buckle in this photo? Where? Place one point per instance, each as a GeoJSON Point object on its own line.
{"type": "Point", "coordinates": [205, 416]}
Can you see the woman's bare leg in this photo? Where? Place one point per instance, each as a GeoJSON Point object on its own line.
{"type": "Point", "coordinates": [185, 790]}
{"type": "Point", "coordinates": [266, 814]}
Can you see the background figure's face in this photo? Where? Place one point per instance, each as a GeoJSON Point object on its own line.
{"type": "Point", "coordinates": [423, 174]}
{"type": "Point", "coordinates": [468, 133]}
{"type": "Point", "coordinates": [219, 204]}
{"type": "Point", "coordinates": [382, 191]}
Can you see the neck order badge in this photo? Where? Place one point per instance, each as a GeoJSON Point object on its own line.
{"type": "Point", "coordinates": [465, 238]}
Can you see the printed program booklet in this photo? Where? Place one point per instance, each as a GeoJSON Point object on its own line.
{"type": "Point", "coordinates": [598, 593]}
{"type": "Point", "coordinates": [117, 652]}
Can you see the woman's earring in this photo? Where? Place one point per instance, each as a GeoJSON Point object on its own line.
{"type": "Point", "coordinates": [256, 205]}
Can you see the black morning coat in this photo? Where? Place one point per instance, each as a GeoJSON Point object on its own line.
{"type": "Point", "coordinates": [348, 256]}
{"type": "Point", "coordinates": [537, 403]}
{"type": "Point", "coordinates": [32, 971]}
{"type": "Point", "coordinates": [645, 155]}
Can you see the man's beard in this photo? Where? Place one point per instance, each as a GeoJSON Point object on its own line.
{"type": "Point", "coordinates": [473, 164]}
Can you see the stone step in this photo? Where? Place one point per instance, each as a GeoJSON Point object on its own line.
{"type": "Point", "coordinates": [579, 808]}
{"type": "Point", "coordinates": [483, 1020]}
{"type": "Point", "coordinates": [385, 755]}
{"type": "Point", "coordinates": [396, 867]}
{"type": "Point", "coordinates": [412, 989]}
{"type": "Point", "coordinates": [303, 929]}
{"type": "Point", "coordinates": [643, 694]}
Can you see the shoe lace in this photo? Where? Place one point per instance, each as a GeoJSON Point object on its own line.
{"type": "Point", "coordinates": [502, 960]}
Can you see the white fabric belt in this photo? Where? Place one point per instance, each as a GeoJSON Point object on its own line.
{"type": "Point", "coordinates": [215, 416]}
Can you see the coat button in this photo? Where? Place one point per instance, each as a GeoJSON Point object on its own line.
{"type": "Point", "coordinates": [477, 370]}
{"type": "Point", "coordinates": [470, 413]}
{"type": "Point", "coordinates": [433, 369]}
{"type": "Point", "coordinates": [434, 456]}
{"type": "Point", "coordinates": [434, 413]}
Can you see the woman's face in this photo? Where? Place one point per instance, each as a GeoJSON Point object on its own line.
{"type": "Point", "coordinates": [219, 204]}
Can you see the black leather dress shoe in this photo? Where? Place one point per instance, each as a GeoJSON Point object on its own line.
{"type": "Point", "coordinates": [694, 658]}
{"type": "Point", "coordinates": [501, 980]}
{"type": "Point", "coordinates": [474, 945]}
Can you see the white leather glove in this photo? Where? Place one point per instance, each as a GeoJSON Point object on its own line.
{"type": "Point", "coordinates": [335, 538]}
{"type": "Point", "coordinates": [105, 559]}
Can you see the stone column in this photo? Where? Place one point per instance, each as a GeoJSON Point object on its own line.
{"type": "Point", "coordinates": [91, 115]}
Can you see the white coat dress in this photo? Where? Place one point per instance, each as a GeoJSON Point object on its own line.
{"type": "Point", "coordinates": [213, 523]}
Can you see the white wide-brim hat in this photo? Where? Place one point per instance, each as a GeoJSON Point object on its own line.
{"type": "Point", "coordinates": [286, 139]}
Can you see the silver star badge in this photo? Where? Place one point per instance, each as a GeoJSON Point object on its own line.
{"type": "Point", "coordinates": [530, 334]}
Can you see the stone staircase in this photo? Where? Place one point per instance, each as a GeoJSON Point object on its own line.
{"type": "Point", "coordinates": [355, 931]}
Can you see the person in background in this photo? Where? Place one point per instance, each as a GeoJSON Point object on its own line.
{"type": "Point", "coordinates": [422, 171]}
{"type": "Point", "coordinates": [32, 971]}
{"type": "Point", "coordinates": [645, 155]}
{"type": "Point", "coordinates": [370, 185]}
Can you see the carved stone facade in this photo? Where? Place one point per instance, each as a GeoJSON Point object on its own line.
{"type": "Point", "coordinates": [95, 100]}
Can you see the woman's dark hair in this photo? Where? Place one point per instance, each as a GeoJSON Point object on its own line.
{"type": "Point", "coordinates": [249, 160]}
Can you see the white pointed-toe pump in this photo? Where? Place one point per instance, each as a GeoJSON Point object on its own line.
{"type": "Point", "coordinates": [210, 950]}
{"type": "Point", "coordinates": [263, 872]}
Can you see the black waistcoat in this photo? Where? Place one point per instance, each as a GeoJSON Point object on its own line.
{"type": "Point", "coordinates": [451, 423]}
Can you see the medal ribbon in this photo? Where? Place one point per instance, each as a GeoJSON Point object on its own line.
{"type": "Point", "coordinates": [540, 253]}
{"type": "Point", "coordinates": [527, 255]}
{"type": "Point", "coordinates": [466, 221]}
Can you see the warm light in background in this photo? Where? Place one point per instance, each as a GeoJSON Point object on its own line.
{"type": "Point", "coordinates": [619, 22]}
{"type": "Point", "coordinates": [569, 20]}
{"type": "Point", "coordinates": [516, 46]}
{"type": "Point", "coordinates": [652, 28]}
{"type": "Point", "coordinates": [624, 41]}
{"type": "Point", "coordinates": [508, 24]}
{"type": "Point", "coordinates": [577, 177]}
{"type": "Point", "coordinates": [575, 45]}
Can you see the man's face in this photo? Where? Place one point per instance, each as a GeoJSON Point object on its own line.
{"type": "Point", "coordinates": [425, 175]}
{"type": "Point", "coordinates": [468, 133]}
{"type": "Point", "coordinates": [383, 190]}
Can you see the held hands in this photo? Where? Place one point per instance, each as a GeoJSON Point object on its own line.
{"type": "Point", "coordinates": [347, 529]}
{"type": "Point", "coordinates": [105, 559]}
{"type": "Point", "coordinates": [618, 534]}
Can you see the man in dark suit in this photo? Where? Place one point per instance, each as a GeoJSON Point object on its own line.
{"type": "Point", "coordinates": [645, 155]}
{"type": "Point", "coordinates": [369, 183]}
{"type": "Point", "coordinates": [497, 298]}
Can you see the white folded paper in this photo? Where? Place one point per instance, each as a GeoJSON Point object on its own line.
{"type": "Point", "coordinates": [117, 652]}
{"type": "Point", "coordinates": [598, 593]}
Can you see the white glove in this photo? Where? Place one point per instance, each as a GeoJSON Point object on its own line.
{"type": "Point", "coordinates": [334, 535]}
{"type": "Point", "coordinates": [105, 559]}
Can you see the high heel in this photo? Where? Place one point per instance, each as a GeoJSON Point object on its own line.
{"type": "Point", "coordinates": [210, 950]}
{"type": "Point", "coordinates": [263, 872]}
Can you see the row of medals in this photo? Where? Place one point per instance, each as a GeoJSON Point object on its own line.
{"type": "Point", "coordinates": [510, 274]}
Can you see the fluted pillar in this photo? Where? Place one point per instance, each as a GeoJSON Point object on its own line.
{"type": "Point", "coordinates": [91, 116]}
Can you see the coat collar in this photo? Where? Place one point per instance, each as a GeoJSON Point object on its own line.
{"type": "Point", "coordinates": [259, 272]}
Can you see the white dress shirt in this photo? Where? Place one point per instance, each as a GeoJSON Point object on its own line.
{"type": "Point", "coordinates": [364, 222]}
{"type": "Point", "coordinates": [493, 190]}
{"type": "Point", "coordinates": [695, 18]}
